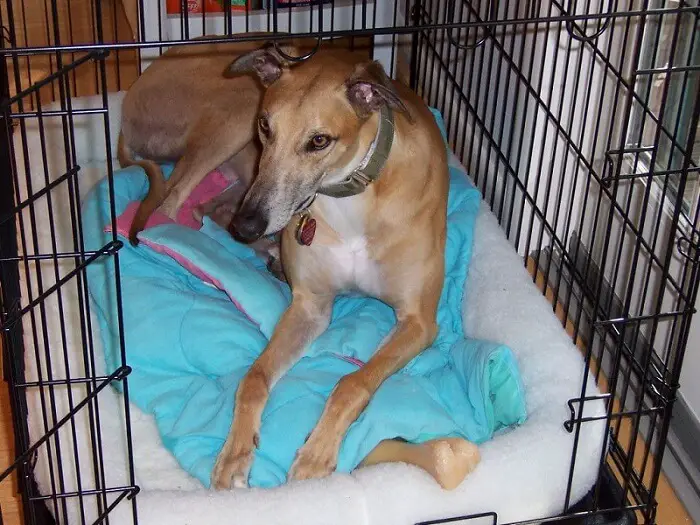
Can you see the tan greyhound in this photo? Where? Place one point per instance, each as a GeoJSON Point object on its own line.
{"type": "Point", "coordinates": [354, 171]}
{"type": "Point", "coordinates": [182, 108]}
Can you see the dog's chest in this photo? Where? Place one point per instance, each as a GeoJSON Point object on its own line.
{"type": "Point", "coordinates": [349, 261]}
{"type": "Point", "coordinates": [353, 268]}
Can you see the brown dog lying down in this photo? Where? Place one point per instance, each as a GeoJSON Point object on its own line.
{"type": "Point", "coordinates": [354, 172]}
{"type": "Point", "coordinates": [350, 173]}
{"type": "Point", "coordinates": [182, 109]}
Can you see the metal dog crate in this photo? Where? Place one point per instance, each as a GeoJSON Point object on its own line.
{"type": "Point", "coordinates": [577, 121]}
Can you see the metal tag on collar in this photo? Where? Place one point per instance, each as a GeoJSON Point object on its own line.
{"type": "Point", "coordinates": [306, 229]}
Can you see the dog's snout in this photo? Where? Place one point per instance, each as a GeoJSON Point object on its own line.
{"type": "Point", "coordinates": [248, 226]}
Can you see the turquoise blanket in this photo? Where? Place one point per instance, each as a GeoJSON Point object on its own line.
{"type": "Point", "coordinates": [198, 308]}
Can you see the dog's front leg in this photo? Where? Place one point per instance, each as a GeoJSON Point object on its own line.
{"type": "Point", "coordinates": [318, 456]}
{"type": "Point", "coordinates": [305, 319]}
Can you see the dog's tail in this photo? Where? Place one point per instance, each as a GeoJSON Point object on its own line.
{"type": "Point", "coordinates": [156, 187]}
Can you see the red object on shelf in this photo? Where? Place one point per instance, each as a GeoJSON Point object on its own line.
{"type": "Point", "coordinates": [174, 7]}
{"type": "Point", "coordinates": [300, 3]}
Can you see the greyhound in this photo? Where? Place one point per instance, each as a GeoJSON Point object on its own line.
{"type": "Point", "coordinates": [182, 107]}
{"type": "Point", "coordinates": [170, 114]}
{"type": "Point", "coordinates": [353, 172]}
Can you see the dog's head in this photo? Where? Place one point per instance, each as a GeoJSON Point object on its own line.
{"type": "Point", "coordinates": [310, 123]}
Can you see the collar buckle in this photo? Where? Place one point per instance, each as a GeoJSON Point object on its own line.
{"type": "Point", "coordinates": [361, 177]}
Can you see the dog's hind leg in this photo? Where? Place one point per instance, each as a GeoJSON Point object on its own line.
{"type": "Point", "coordinates": [244, 164]}
{"type": "Point", "coordinates": [240, 171]}
{"type": "Point", "coordinates": [200, 158]}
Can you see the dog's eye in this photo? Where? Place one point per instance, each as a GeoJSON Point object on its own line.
{"type": "Point", "coordinates": [264, 125]}
{"type": "Point", "coordinates": [319, 142]}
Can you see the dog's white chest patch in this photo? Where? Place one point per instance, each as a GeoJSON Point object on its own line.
{"type": "Point", "coordinates": [355, 268]}
{"type": "Point", "coordinates": [350, 261]}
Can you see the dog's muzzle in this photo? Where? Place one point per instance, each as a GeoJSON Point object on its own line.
{"type": "Point", "coordinates": [248, 227]}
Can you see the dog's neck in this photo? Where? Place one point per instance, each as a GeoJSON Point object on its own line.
{"type": "Point", "coordinates": [355, 178]}
{"type": "Point", "coordinates": [340, 210]}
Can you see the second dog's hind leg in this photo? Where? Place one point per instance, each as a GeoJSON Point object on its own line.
{"type": "Point", "coordinates": [240, 171]}
{"type": "Point", "coordinates": [448, 460]}
{"type": "Point", "coordinates": [199, 159]}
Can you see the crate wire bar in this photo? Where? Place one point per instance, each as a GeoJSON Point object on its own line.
{"type": "Point", "coordinates": [577, 121]}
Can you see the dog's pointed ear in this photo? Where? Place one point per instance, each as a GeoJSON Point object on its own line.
{"type": "Point", "coordinates": [266, 62]}
{"type": "Point", "coordinates": [369, 88]}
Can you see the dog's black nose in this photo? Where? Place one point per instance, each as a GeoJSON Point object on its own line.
{"type": "Point", "coordinates": [248, 226]}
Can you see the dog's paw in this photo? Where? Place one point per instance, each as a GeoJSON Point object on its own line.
{"type": "Point", "coordinates": [133, 236]}
{"type": "Point", "coordinates": [221, 215]}
{"type": "Point", "coordinates": [313, 462]}
{"type": "Point", "coordinates": [232, 468]}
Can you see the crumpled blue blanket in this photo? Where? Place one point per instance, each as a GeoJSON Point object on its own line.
{"type": "Point", "coordinates": [198, 308]}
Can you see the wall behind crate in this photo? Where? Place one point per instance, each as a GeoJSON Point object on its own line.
{"type": "Point", "coordinates": [158, 25]}
{"type": "Point", "coordinates": [121, 23]}
{"type": "Point", "coordinates": [34, 27]}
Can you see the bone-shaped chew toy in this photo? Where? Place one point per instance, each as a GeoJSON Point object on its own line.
{"type": "Point", "coordinates": [447, 460]}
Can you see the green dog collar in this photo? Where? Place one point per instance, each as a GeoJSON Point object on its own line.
{"type": "Point", "coordinates": [371, 166]}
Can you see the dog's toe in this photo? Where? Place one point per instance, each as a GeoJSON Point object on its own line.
{"type": "Point", "coordinates": [310, 464]}
{"type": "Point", "coordinates": [231, 470]}
{"type": "Point", "coordinates": [240, 481]}
{"type": "Point", "coordinates": [219, 479]}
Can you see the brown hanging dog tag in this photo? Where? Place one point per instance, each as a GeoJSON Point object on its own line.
{"type": "Point", "coordinates": [306, 229]}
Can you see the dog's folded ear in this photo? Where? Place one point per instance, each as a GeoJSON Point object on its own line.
{"type": "Point", "coordinates": [369, 88]}
{"type": "Point", "coordinates": [266, 62]}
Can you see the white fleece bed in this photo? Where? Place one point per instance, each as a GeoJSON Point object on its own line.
{"type": "Point", "coordinates": [523, 473]}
